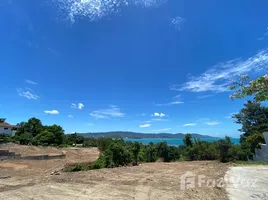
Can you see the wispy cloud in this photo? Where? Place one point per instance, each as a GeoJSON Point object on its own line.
{"type": "Point", "coordinates": [52, 112]}
{"type": "Point", "coordinates": [212, 123]}
{"type": "Point", "coordinates": [31, 82]}
{"type": "Point", "coordinates": [143, 114]}
{"type": "Point", "coordinates": [169, 104]}
{"type": "Point", "coordinates": [162, 130]}
{"type": "Point", "coordinates": [218, 77]}
{"type": "Point", "coordinates": [27, 93]}
{"type": "Point", "coordinates": [90, 124]}
{"type": "Point", "coordinates": [159, 119]}
{"type": "Point", "coordinates": [205, 96]}
{"type": "Point", "coordinates": [70, 116]}
{"type": "Point", "coordinates": [158, 114]}
{"type": "Point", "coordinates": [145, 125]}
{"type": "Point", "coordinates": [177, 22]}
{"type": "Point", "coordinates": [111, 112]}
{"type": "Point", "coordinates": [92, 10]}
{"type": "Point", "coordinates": [175, 101]}
{"type": "Point", "coordinates": [190, 124]}
{"type": "Point", "coordinates": [230, 115]}
{"type": "Point", "coordinates": [264, 36]}
{"type": "Point", "coordinates": [79, 106]}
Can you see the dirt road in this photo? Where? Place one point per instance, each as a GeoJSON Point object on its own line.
{"type": "Point", "coordinates": [247, 182]}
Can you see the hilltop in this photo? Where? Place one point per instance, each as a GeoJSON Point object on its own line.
{"type": "Point", "coordinates": [135, 135]}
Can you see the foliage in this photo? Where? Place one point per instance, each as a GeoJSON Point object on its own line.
{"type": "Point", "coordinates": [254, 120]}
{"type": "Point", "coordinates": [103, 143]}
{"type": "Point", "coordinates": [224, 146]}
{"type": "Point", "coordinates": [135, 150]}
{"type": "Point", "coordinates": [45, 138]}
{"type": "Point", "coordinates": [150, 153]}
{"type": "Point", "coordinates": [5, 138]}
{"type": "Point", "coordinates": [33, 126]}
{"type": "Point", "coordinates": [162, 150]}
{"type": "Point", "coordinates": [24, 138]}
{"type": "Point", "coordinates": [244, 87]}
{"type": "Point", "coordinates": [255, 140]}
{"type": "Point", "coordinates": [90, 142]}
{"type": "Point", "coordinates": [187, 140]}
{"type": "Point", "coordinates": [173, 154]}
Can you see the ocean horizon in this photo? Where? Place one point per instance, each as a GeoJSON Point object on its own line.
{"type": "Point", "coordinates": [174, 141]}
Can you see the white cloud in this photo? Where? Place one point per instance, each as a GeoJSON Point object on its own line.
{"type": "Point", "coordinates": [111, 112]}
{"type": "Point", "coordinates": [70, 116]}
{"type": "Point", "coordinates": [170, 104]}
{"type": "Point", "coordinates": [79, 106]}
{"type": "Point", "coordinates": [177, 22]}
{"type": "Point", "coordinates": [27, 93]}
{"type": "Point", "coordinates": [31, 82]}
{"type": "Point", "coordinates": [158, 114]}
{"type": "Point", "coordinates": [90, 124]}
{"type": "Point", "coordinates": [189, 124]}
{"type": "Point", "coordinates": [177, 97]}
{"type": "Point", "coordinates": [212, 123]}
{"type": "Point", "coordinates": [220, 76]}
{"type": "Point", "coordinates": [52, 112]}
{"type": "Point", "coordinates": [92, 10]}
{"type": "Point", "coordinates": [162, 130]}
{"type": "Point", "coordinates": [159, 119]}
{"type": "Point", "coordinates": [205, 96]}
{"type": "Point", "coordinates": [145, 125]}
{"type": "Point", "coordinates": [143, 114]}
{"type": "Point", "coordinates": [230, 115]}
{"type": "Point", "coordinates": [176, 101]}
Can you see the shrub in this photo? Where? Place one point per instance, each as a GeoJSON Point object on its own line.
{"type": "Point", "coordinates": [150, 153]}
{"type": "Point", "coordinates": [103, 143]}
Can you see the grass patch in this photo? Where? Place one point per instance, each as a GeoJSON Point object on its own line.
{"type": "Point", "coordinates": [77, 167]}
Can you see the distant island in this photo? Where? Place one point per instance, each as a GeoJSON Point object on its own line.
{"type": "Point", "coordinates": [134, 135]}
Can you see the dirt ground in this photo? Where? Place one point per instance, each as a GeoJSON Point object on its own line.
{"type": "Point", "coordinates": [33, 179]}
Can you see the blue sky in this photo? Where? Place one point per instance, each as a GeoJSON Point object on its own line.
{"type": "Point", "coordinates": [132, 65]}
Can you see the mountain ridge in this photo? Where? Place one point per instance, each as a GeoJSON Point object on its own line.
{"type": "Point", "coordinates": [137, 135]}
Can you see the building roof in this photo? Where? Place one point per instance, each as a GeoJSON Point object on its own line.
{"type": "Point", "coordinates": [6, 125]}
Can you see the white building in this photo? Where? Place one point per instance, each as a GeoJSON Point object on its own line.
{"type": "Point", "coordinates": [6, 128]}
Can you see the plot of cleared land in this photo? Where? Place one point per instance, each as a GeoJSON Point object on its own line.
{"type": "Point", "coordinates": [33, 180]}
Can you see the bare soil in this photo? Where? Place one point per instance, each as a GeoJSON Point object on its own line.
{"type": "Point", "coordinates": [35, 180]}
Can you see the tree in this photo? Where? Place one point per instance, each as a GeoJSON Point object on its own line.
{"type": "Point", "coordinates": [187, 140]}
{"type": "Point", "coordinates": [25, 138]}
{"type": "Point", "coordinates": [45, 138]}
{"type": "Point", "coordinates": [253, 118]}
{"type": "Point", "coordinates": [57, 132]}
{"type": "Point", "coordinates": [162, 150]}
{"type": "Point", "coordinates": [117, 154]}
{"type": "Point", "coordinates": [136, 150]}
{"type": "Point", "coordinates": [244, 87]}
{"type": "Point", "coordinates": [150, 153]}
{"type": "Point", "coordinates": [224, 146]}
{"type": "Point", "coordinates": [33, 126]}
{"type": "Point", "coordinates": [2, 120]}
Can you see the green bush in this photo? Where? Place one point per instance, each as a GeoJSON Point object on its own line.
{"type": "Point", "coordinates": [150, 153]}
{"type": "Point", "coordinates": [103, 143]}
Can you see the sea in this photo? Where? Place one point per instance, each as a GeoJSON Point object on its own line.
{"type": "Point", "coordinates": [174, 141]}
